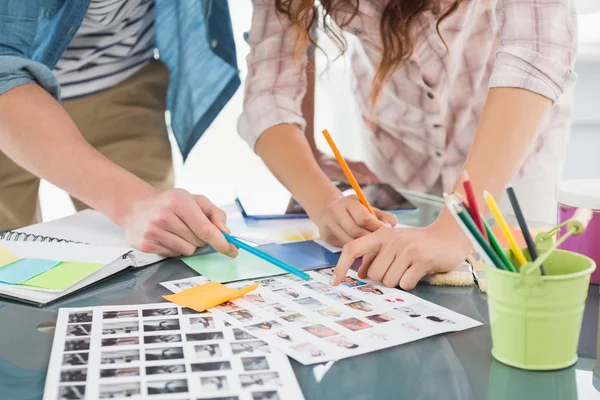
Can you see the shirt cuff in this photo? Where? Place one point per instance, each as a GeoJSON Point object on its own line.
{"type": "Point", "coordinates": [17, 71]}
{"type": "Point", "coordinates": [258, 116]}
{"type": "Point", "coordinates": [522, 68]}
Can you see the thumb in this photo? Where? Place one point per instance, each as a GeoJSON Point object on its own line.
{"type": "Point", "coordinates": [387, 218]}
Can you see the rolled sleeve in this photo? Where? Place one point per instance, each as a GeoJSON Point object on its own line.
{"type": "Point", "coordinates": [16, 71]}
{"type": "Point", "coordinates": [276, 81]}
{"type": "Point", "coordinates": [538, 46]}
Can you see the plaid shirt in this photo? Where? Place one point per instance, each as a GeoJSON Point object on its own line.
{"type": "Point", "coordinates": [427, 113]}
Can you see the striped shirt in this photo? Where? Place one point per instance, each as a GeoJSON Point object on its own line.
{"type": "Point", "coordinates": [115, 39]}
{"type": "Point", "coordinates": [429, 109]}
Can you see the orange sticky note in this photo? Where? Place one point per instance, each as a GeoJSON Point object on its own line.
{"type": "Point", "coordinates": [209, 295]}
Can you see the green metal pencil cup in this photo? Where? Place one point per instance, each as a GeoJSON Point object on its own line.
{"type": "Point", "coordinates": [536, 320]}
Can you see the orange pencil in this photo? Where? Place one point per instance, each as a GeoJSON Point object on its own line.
{"type": "Point", "coordinates": [346, 169]}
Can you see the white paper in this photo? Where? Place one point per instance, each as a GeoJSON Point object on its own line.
{"type": "Point", "coordinates": [313, 322]}
{"type": "Point", "coordinates": [64, 251]}
{"type": "Point", "coordinates": [161, 351]}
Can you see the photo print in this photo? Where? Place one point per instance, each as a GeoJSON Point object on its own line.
{"type": "Point", "coordinates": [360, 305]}
{"type": "Point", "coordinates": [165, 369]}
{"type": "Point", "coordinates": [342, 341]}
{"type": "Point", "coordinates": [271, 283]}
{"type": "Point", "coordinates": [370, 289]}
{"type": "Point", "coordinates": [71, 392]}
{"type": "Point", "coordinates": [79, 330]}
{"type": "Point", "coordinates": [211, 366]}
{"type": "Point", "coordinates": [260, 380]}
{"type": "Point", "coordinates": [214, 384]}
{"type": "Point", "coordinates": [249, 347]}
{"type": "Point", "coordinates": [320, 331]}
{"type": "Point", "coordinates": [120, 314]}
{"type": "Point", "coordinates": [122, 341]}
{"type": "Point", "coordinates": [77, 344]}
{"type": "Point", "coordinates": [295, 318]}
{"type": "Point", "coordinates": [118, 390]}
{"type": "Point", "coordinates": [309, 303]}
{"type": "Point", "coordinates": [277, 309]}
{"type": "Point", "coordinates": [73, 375]}
{"type": "Point", "coordinates": [167, 386]}
{"type": "Point", "coordinates": [203, 336]}
{"type": "Point", "coordinates": [72, 359]}
{"type": "Point", "coordinates": [208, 351]}
{"type": "Point", "coordinates": [119, 372]}
{"type": "Point", "coordinates": [308, 348]}
{"type": "Point", "coordinates": [264, 326]}
{"type": "Point", "coordinates": [80, 317]}
{"type": "Point", "coordinates": [354, 324]}
{"type": "Point", "coordinates": [340, 297]}
{"type": "Point", "coordinates": [119, 356]}
{"type": "Point", "coordinates": [288, 293]}
{"type": "Point", "coordinates": [160, 312]}
{"type": "Point", "coordinates": [242, 315]}
{"type": "Point", "coordinates": [329, 312]}
{"type": "Point", "coordinates": [227, 306]}
{"type": "Point", "coordinates": [255, 363]}
{"type": "Point", "coordinates": [166, 353]}
{"type": "Point", "coordinates": [380, 318]}
{"type": "Point", "coordinates": [240, 334]}
{"type": "Point", "coordinates": [161, 325]}
{"type": "Point", "coordinates": [153, 339]}
{"type": "Point", "coordinates": [268, 395]}
{"type": "Point", "coordinates": [202, 323]}
{"type": "Point", "coordinates": [119, 328]}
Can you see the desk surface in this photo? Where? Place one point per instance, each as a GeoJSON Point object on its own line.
{"type": "Point", "coordinates": [450, 366]}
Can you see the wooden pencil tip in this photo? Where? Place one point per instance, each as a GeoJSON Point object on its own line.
{"type": "Point", "coordinates": [486, 194]}
{"type": "Point", "coordinates": [465, 176]}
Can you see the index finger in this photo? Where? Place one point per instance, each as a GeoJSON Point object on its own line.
{"type": "Point", "coordinates": [353, 250]}
{"type": "Point", "coordinates": [363, 217]}
{"type": "Point", "coordinates": [193, 216]}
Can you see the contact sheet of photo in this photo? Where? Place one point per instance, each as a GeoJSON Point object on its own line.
{"type": "Point", "coordinates": [314, 322]}
{"type": "Point", "coordinates": [157, 350]}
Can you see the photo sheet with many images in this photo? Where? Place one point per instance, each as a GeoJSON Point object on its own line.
{"type": "Point", "coordinates": [314, 322]}
{"type": "Point", "coordinates": [162, 351]}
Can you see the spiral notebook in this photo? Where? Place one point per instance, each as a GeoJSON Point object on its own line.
{"type": "Point", "coordinates": [87, 236]}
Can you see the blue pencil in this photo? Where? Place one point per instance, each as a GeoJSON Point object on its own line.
{"type": "Point", "coordinates": [267, 257]}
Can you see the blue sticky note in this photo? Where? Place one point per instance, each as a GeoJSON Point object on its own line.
{"type": "Point", "coordinates": [22, 270]}
{"type": "Point", "coordinates": [302, 261]}
{"type": "Point", "coordinates": [315, 250]}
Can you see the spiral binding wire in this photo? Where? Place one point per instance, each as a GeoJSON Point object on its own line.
{"type": "Point", "coordinates": [17, 236]}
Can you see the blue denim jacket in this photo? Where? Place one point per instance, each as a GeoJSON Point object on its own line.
{"type": "Point", "coordinates": [194, 39]}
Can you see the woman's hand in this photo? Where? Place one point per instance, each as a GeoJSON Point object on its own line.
{"type": "Point", "coordinates": [346, 219]}
{"type": "Point", "coordinates": [402, 256]}
{"type": "Point", "coordinates": [332, 169]}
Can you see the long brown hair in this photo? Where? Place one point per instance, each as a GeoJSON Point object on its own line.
{"type": "Point", "coordinates": [397, 20]}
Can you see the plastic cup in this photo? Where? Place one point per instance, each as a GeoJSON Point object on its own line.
{"type": "Point", "coordinates": [536, 320]}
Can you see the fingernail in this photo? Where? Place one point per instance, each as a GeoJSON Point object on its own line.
{"type": "Point", "coordinates": [387, 225]}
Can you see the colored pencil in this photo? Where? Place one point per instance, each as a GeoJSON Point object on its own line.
{"type": "Point", "coordinates": [467, 185]}
{"type": "Point", "coordinates": [465, 221]}
{"type": "Point", "coordinates": [512, 196]}
{"type": "Point", "coordinates": [504, 227]}
{"type": "Point", "coordinates": [347, 172]}
{"type": "Point", "coordinates": [267, 257]}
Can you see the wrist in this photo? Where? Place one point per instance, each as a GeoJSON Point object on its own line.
{"type": "Point", "coordinates": [123, 204]}
{"type": "Point", "coordinates": [448, 224]}
{"type": "Point", "coordinates": [320, 199]}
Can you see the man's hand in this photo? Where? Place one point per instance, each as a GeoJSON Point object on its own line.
{"type": "Point", "coordinates": [174, 223]}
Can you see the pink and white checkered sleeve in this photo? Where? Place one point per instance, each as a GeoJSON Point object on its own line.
{"type": "Point", "coordinates": [276, 81]}
{"type": "Point", "coordinates": [538, 46]}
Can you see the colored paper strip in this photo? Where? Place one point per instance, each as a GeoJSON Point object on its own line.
{"type": "Point", "coordinates": [6, 257]}
{"type": "Point", "coordinates": [63, 275]}
{"type": "Point", "coordinates": [211, 294]}
{"type": "Point", "coordinates": [219, 268]}
{"type": "Point", "coordinates": [298, 259]}
{"type": "Point", "coordinates": [25, 269]}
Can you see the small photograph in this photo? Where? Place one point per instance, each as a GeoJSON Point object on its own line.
{"type": "Point", "coordinates": [271, 283]}
{"type": "Point", "coordinates": [202, 323]}
{"type": "Point", "coordinates": [162, 339]}
{"type": "Point", "coordinates": [189, 311]}
{"type": "Point", "coordinates": [71, 392]}
{"type": "Point", "coordinates": [198, 337]}
{"type": "Point", "coordinates": [295, 318]}
{"type": "Point", "coordinates": [77, 344]}
{"type": "Point", "coordinates": [308, 348]}
{"type": "Point", "coordinates": [254, 298]}
{"type": "Point", "coordinates": [120, 314]}
{"type": "Point", "coordinates": [249, 347]}
{"type": "Point", "coordinates": [75, 359]}
{"type": "Point", "coordinates": [326, 271]}
{"type": "Point", "coordinates": [161, 325]}
{"type": "Point", "coordinates": [265, 326]}
{"type": "Point", "coordinates": [79, 330]}
{"type": "Point", "coordinates": [119, 357]}
{"type": "Point", "coordinates": [293, 278]}
{"type": "Point", "coordinates": [341, 297]}
{"type": "Point", "coordinates": [255, 363]}
{"type": "Point", "coordinates": [370, 289]}
{"type": "Point", "coordinates": [352, 282]}
{"type": "Point", "coordinates": [160, 312]}
{"type": "Point", "coordinates": [354, 324]}
{"type": "Point", "coordinates": [118, 390]}
{"type": "Point", "coordinates": [342, 341]}
{"type": "Point", "coordinates": [416, 310]}
{"type": "Point", "coordinates": [309, 303]}
{"type": "Point", "coordinates": [227, 306]}
{"type": "Point", "coordinates": [330, 312]}
{"type": "Point", "coordinates": [80, 317]}
{"type": "Point", "coordinates": [285, 336]}
{"type": "Point", "coordinates": [440, 319]}
{"type": "Point", "coordinates": [242, 335]}
{"type": "Point", "coordinates": [211, 366]}
{"type": "Point", "coordinates": [189, 284]}
{"type": "Point", "coordinates": [268, 395]}
{"type": "Point", "coordinates": [168, 386]}
{"type": "Point", "coordinates": [380, 318]}
{"type": "Point", "coordinates": [288, 293]}
{"type": "Point", "coordinates": [124, 341]}
{"type": "Point", "coordinates": [277, 309]}
{"type": "Point", "coordinates": [360, 305]}
{"type": "Point", "coordinates": [119, 372]}
{"type": "Point", "coordinates": [320, 330]}
{"type": "Point", "coordinates": [214, 384]}
{"type": "Point", "coordinates": [259, 380]}
{"type": "Point", "coordinates": [117, 328]}
{"type": "Point", "coordinates": [166, 369]}
{"type": "Point", "coordinates": [242, 315]}
{"type": "Point", "coordinates": [166, 353]}
{"type": "Point", "coordinates": [318, 287]}
{"type": "Point", "coordinates": [208, 351]}
{"type": "Point", "coordinates": [73, 375]}
{"type": "Point", "coordinates": [221, 398]}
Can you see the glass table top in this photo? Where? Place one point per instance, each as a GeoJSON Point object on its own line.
{"type": "Point", "coordinates": [449, 366]}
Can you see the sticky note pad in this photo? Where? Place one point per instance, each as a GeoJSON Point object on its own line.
{"type": "Point", "coordinates": [63, 275]}
{"type": "Point", "coordinates": [6, 257]}
{"type": "Point", "coordinates": [298, 259]}
{"type": "Point", "coordinates": [209, 295]}
{"type": "Point", "coordinates": [22, 270]}
{"type": "Point", "coordinates": [220, 268]}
